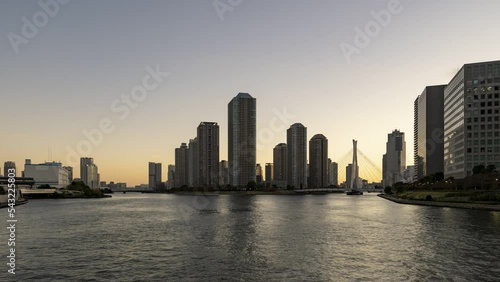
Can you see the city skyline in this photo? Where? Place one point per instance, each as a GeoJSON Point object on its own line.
{"type": "Point", "coordinates": [311, 79]}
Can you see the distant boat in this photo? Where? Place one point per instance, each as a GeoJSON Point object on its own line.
{"type": "Point", "coordinates": [354, 192]}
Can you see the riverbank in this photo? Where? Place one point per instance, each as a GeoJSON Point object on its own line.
{"type": "Point", "coordinates": [441, 204]}
{"type": "Point", "coordinates": [19, 202]}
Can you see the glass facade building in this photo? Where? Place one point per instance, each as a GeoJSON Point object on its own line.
{"type": "Point", "coordinates": [428, 132]}
{"type": "Point", "coordinates": [471, 119]}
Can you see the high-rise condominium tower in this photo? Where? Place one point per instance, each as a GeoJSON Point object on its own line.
{"type": "Point", "coordinates": [208, 142]}
{"type": "Point", "coordinates": [89, 173]}
{"type": "Point", "coordinates": [297, 155]}
{"type": "Point", "coordinates": [154, 174]}
{"type": "Point", "coordinates": [318, 161]}
{"type": "Point", "coordinates": [280, 163]}
{"type": "Point", "coordinates": [242, 118]}
{"type": "Point", "coordinates": [181, 166]}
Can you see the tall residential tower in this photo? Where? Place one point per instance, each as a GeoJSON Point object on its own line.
{"type": "Point", "coordinates": [318, 162]}
{"type": "Point", "coordinates": [280, 171]}
{"type": "Point", "coordinates": [242, 118]}
{"type": "Point", "coordinates": [208, 144]}
{"type": "Point", "coordinates": [297, 155]}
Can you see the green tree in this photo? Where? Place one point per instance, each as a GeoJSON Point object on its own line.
{"type": "Point", "coordinates": [438, 176]}
{"type": "Point", "coordinates": [251, 185]}
{"type": "Point", "coordinates": [478, 169]}
{"type": "Point", "coordinates": [399, 187]}
{"type": "Point", "coordinates": [490, 169]}
{"type": "Point", "coordinates": [388, 190]}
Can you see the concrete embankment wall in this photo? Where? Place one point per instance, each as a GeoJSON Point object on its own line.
{"type": "Point", "coordinates": [441, 204]}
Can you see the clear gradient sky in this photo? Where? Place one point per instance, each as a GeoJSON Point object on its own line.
{"type": "Point", "coordinates": [284, 53]}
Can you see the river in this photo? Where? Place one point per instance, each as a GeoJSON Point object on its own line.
{"type": "Point", "coordinates": [166, 237]}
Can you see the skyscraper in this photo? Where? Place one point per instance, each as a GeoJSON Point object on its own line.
{"type": "Point", "coordinates": [428, 131]}
{"type": "Point", "coordinates": [348, 173]}
{"type": "Point", "coordinates": [297, 155]}
{"type": "Point", "coordinates": [318, 161]}
{"type": "Point", "coordinates": [269, 173]}
{"type": "Point", "coordinates": [280, 162]}
{"type": "Point", "coordinates": [208, 142]}
{"type": "Point", "coordinates": [332, 173]}
{"type": "Point", "coordinates": [181, 166]}
{"type": "Point", "coordinates": [258, 174]}
{"type": "Point", "coordinates": [154, 175]}
{"type": "Point", "coordinates": [89, 173]}
{"type": "Point", "coordinates": [193, 159]}
{"type": "Point", "coordinates": [171, 177]}
{"type": "Point", "coordinates": [242, 117]}
{"type": "Point", "coordinates": [394, 160]}
{"type": "Point", "coordinates": [9, 165]}
{"type": "Point", "coordinates": [151, 175]}
{"type": "Point", "coordinates": [471, 119]}
{"type": "Point", "coordinates": [223, 173]}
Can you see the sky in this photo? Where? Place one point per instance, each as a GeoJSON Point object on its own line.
{"type": "Point", "coordinates": [345, 69]}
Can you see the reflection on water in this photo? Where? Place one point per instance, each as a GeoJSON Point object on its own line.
{"type": "Point", "coordinates": [137, 237]}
